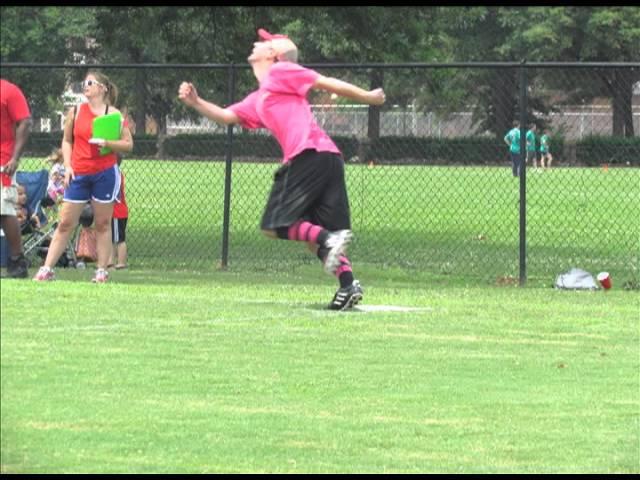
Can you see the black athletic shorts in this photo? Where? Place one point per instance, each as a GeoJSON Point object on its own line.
{"type": "Point", "coordinates": [311, 187]}
{"type": "Point", "coordinates": [119, 230]}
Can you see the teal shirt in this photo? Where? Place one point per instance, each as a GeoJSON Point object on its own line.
{"type": "Point", "coordinates": [531, 141]}
{"type": "Point", "coordinates": [544, 143]}
{"type": "Point", "coordinates": [513, 136]}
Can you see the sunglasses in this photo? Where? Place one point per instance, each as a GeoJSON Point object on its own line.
{"type": "Point", "coordinates": [88, 83]}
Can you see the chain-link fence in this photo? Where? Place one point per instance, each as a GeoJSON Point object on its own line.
{"type": "Point", "coordinates": [429, 174]}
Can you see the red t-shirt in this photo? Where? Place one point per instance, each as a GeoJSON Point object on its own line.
{"type": "Point", "coordinates": [85, 157]}
{"type": "Point", "coordinates": [120, 209]}
{"type": "Point", "coordinates": [13, 108]}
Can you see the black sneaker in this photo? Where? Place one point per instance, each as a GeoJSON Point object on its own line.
{"type": "Point", "coordinates": [347, 297]}
{"type": "Point", "coordinates": [18, 268]}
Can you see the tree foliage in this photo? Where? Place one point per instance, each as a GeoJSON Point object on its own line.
{"type": "Point", "coordinates": [43, 35]}
{"type": "Point", "coordinates": [346, 34]}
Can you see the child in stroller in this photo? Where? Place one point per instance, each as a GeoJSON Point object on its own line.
{"type": "Point", "coordinates": [28, 219]}
{"type": "Point", "coordinates": [42, 211]}
{"type": "Point", "coordinates": [55, 188]}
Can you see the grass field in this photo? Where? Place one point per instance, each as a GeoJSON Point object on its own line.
{"type": "Point", "coordinates": [462, 221]}
{"type": "Point", "coordinates": [176, 366]}
{"type": "Point", "coordinates": [163, 371]}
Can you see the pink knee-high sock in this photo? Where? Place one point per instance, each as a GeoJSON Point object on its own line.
{"type": "Point", "coordinates": [344, 272]}
{"type": "Point", "coordinates": [304, 231]}
{"type": "Point", "coordinates": [345, 266]}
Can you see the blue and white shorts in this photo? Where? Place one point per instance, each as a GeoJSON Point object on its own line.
{"type": "Point", "coordinates": [103, 187]}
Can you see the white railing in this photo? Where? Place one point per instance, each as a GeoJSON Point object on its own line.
{"type": "Point", "coordinates": [352, 120]}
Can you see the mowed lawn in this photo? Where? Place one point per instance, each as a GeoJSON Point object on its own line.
{"type": "Point", "coordinates": [462, 221]}
{"type": "Point", "coordinates": [172, 371]}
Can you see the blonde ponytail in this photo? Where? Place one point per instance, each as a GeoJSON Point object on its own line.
{"type": "Point", "coordinates": [112, 93]}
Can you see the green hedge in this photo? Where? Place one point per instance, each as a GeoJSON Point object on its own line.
{"type": "Point", "coordinates": [429, 150]}
{"type": "Point", "coordinates": [469, 150]}
{"type": "Point", "coordinates": [41, 144]}
{"type": "Point", "coordinates": [596, 150]}
{"type": "Point", "coordinates": [590, 151]}
{"type": "Point", "coordinates": [244, 145]}
{"type": "Point", "coordinates": [202, 145]}
{"type": "Point", "coordinates": [144, 146]}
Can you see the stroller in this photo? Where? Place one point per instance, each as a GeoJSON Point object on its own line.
{"type": "Point", "coordinates": [35, 186]}
{"type": "Point", "coordinates": [36, 241]}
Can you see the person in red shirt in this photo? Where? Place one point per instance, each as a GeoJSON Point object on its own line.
{"type": "Point", "coordinates": [15, 125]}
{"type": "Point", "coordinates": [119, 226]}
{"type": "Point", "coordinates": [89, 176]}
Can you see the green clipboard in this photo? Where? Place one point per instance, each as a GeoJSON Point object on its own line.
{"type": "Point", "coordinates": [107, 127]}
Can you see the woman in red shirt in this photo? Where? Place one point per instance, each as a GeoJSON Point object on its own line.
{"type": "Point", "coordinates": [89, 176]}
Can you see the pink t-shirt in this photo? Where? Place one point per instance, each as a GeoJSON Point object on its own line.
{"type": "Point", "coordinates": [280, 105]}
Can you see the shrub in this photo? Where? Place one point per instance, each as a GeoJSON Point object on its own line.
{"type": "Point", "coordinates": [596, 150]}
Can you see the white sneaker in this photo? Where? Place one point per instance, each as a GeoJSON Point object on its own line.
{"type": "Point", "coordinates": [45, 274]}
{"type": "Point", "coordinates": [101, 276]}
{"type": "Point", "coordinates": [337, 243]}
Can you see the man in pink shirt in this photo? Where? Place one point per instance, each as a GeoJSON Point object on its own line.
{"type": "Point", "coordinates": [15, 125]}
{"type": "Point", "coordinates": [308, 200]}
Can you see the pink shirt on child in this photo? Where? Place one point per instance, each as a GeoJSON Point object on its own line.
{"type": "Point", "coordinates": [280, 105]}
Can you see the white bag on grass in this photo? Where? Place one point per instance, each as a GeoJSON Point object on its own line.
{"type": "Point", "coordinates": [576, 279]}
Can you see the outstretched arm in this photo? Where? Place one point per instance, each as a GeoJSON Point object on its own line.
{"type": "Point", "coordinates": [346, 89]}
{"type": "Point", "coordinates": [189, 96]}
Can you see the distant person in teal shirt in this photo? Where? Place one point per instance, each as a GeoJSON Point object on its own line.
{"type": "Point", "coordinates": [531, 145]}
{"type": "Point", "coordinates": [512, 138]}
{"type": "Point", "coordinates": [545, 153]}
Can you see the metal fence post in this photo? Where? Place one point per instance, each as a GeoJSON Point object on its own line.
{"type": "Point", "coordinates": [523, 173]}
{"type": "Point", "coordinates": [224, 261]}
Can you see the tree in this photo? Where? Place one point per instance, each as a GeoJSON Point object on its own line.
{"type": "Point", "coordinates": [582, 34]}
{"type": "Point", "coordinates": [364, 35]}
{"type": "Point", "coordinates": [497, 34]}
{"type": "Point", "coordinates": [164, 35]}
{"type": "Point", "coordinates": [330, 34]}
{"type": "Point", "coordinates": [613, 34]}
{"type": "Point", "coordinates": [43, 35]}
